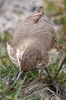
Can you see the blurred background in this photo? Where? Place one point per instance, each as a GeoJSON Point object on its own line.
{"type": "Point", "coordinates": [11, 13]}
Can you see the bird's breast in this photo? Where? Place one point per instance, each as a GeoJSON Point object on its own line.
{"type": "Point", "coordinates": [16, 54]}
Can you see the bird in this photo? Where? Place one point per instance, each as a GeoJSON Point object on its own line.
{"type": "Point", "coordinates": [33, 43]}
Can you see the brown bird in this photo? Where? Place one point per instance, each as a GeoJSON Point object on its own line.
{"type": "Point", "coordinates": [33, 43]}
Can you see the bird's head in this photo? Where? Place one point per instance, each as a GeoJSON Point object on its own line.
{"type": "Point", "coordinates": [31, 57]}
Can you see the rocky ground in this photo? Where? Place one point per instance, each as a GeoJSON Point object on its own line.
{"type": "Point", "coordinates": [11, 11]}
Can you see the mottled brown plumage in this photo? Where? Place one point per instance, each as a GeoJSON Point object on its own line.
{"type": "Point", "coordinates": [33, 43]}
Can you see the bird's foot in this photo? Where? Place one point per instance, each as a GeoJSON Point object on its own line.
{"type": "Point", "coordinates": [55, 86]}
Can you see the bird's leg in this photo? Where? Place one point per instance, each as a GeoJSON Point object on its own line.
{"type": "Point", "coordinates": [48, 73]}
{"type": "Point", "coordinates": [62, 61]}
{"type": "Point", "coordinates": [55, 86]}
{"type": "Point", "coordinates": [17, 76]}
